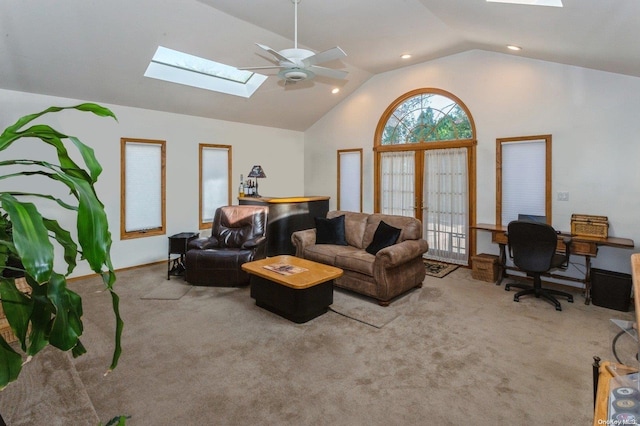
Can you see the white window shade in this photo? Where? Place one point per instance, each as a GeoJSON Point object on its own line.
{"type": "Point", "coordinates": [215, 181]}
{"type": "Point", "coordinates": [523, 179]}
{"type": "Point", "coordinates": [143, 186]}
{"type": "Point", "coordinates": [350, 196]}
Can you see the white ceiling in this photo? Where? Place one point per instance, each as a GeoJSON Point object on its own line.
{"type": "Point", "coordinates": [99, 50]}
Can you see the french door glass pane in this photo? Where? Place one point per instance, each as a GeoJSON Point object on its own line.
{"type": "Point", "coordinates": [446, 211]}
{"type": "Point", "coordinates": [398, 183]}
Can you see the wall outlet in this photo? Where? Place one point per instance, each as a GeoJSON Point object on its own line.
{"type": "Point", "coordinates": [563, 196]}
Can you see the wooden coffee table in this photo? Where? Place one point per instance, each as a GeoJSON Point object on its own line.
{"type": "Point", "coordinates": [302, 291]}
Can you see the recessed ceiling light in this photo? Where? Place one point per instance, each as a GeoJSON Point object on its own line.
{"type": "Point", "coordinates": [554, 3]}
{"type": "Point", "coordinates": [335, 90]}
{"type": "Point", "coordinates": [406, 56]}
{"type": "Point", "coordinates": [513, 47]}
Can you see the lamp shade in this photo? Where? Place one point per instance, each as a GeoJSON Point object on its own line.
{"type": "Point", "coordinates": [257, 172]}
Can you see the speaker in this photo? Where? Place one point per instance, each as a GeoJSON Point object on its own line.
{"type": "Point", "coordinates": [611, 289]}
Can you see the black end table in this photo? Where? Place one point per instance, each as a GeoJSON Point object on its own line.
{"type": "Point", "coordinates": [178, 245]}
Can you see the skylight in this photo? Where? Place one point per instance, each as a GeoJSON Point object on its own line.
{"type": "Point", "coordinates": [182, 68]}
{"type": "Point", "coordinates": [554, 3]}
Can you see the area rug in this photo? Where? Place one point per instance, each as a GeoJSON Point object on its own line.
{"type": "Point", "coordinates": [438, 269]}
{"type": "Point", "coordinates": [168, 290]}
{"type": "Point", "coordinates": [367, 310]}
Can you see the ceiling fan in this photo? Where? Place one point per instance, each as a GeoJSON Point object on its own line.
{"type": "Point", "coordinates": [302, 64]}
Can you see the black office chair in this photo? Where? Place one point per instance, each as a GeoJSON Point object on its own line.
{"type": "Point", "coordinates": [532, 246]}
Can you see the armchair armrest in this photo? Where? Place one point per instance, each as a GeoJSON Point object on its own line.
{"type": "Point", "coordinates": [202, 243]}
{"type": "Point", "coordinates": [403, 252]}
{"type": "Point", "coordinates": [302, 239]}
{"type": "Point", "coordinates": [254, 242]}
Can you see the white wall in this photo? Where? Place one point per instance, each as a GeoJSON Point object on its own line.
{"type": "Point", "coordinates": [592, 115]}
{"type": "Point", "coordinates": [280, 152]}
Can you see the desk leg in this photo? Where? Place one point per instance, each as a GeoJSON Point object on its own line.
{"type": "Point", "coordinates": [502, 263]}
{"type": "Point", "coordinates": [587, 280]}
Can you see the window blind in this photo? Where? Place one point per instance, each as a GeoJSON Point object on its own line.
{"type": "Point", "coordinates": [350, 181]}
{"type": "Point", "coordinates": [523, 179]}
{"type": "Point", "coordinates": [143, 186]}
{"type": "Point", "coordinates": [215, 180]}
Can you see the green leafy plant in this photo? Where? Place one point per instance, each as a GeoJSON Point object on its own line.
{"type": "Point", "coordinates": [52, 313]}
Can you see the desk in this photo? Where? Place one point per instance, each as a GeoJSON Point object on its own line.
{"type": "Point", "coordinates": [581, 246]}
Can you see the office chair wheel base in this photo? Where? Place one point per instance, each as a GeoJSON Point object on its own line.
{"type": "Point", "coordinates": [558, 308]}
{"type": "Point", "coordinates": [516, 299]}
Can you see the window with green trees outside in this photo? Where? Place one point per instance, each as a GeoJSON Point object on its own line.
{"type": "Point", "coordinates": [427, 117]}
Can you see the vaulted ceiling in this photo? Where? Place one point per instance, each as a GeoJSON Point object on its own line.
{"type": "Point", "coordinates": [99, 50]}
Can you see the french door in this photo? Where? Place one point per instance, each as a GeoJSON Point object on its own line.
{"type": "Point", "coordinates": [433, 186]}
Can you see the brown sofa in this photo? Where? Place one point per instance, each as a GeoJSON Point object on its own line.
{"type": "Point", "coordinates": [393, 270]}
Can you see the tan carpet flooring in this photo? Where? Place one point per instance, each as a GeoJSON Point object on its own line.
{"type": "Point", "coordinates": [460, 352]}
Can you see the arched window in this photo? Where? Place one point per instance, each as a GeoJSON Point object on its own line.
{"type": "Point", "coordinates": [426, 117]}
{"type": "Point", "coordinates": [425, 167]}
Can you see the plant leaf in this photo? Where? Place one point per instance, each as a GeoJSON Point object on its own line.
{"type": "Point", "coordinates": [10, 364]}
{"type": "Point", "coordinates": [63, 237]}
{"type": "Point", "coordinates": [17, 307]}
{"type": "Point", "coordinates": [89, 158]}
{"type": "Point", "coordinates": [30, 237]}
{"type": "Point", "coordinates": [64, 329]}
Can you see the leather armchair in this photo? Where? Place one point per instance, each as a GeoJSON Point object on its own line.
{"type": "Point", "coordinates": [238, 235]}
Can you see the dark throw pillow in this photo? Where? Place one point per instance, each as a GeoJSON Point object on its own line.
{"type": "Point", "coordinates": [385, 236]}
{"type": "Point", "coordinates": [330, 231]}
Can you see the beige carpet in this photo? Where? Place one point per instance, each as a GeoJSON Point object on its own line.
{"type": "Point", "coordinates": [369, 312]}
{"type": "Point", "coordinates": [165, 289]}
{"type": "Point", "coordinates": [49, 392]}
{"type": "Point", "coordinates": [464, 353]}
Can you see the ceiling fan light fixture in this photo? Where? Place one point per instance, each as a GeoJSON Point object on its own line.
{"type": "Point", "coordinates": [294, 75]}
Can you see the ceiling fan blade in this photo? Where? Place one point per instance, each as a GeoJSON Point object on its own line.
{"type": "Point", "coordinates": [328, 72]}
{"type": "Point", "coordinates": [326, 56]}
{"type": "Point", "coordinates": [277, 55]}
{"type": "Point", "coordinates": [260, 68]}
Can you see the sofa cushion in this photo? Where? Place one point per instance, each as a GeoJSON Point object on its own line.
{"type": "Point", "coordinates": [355, 224]}
{"type": "Point", "coordinates": [356, 260]}
{"type": "Point", "coordinates": [385, 236]}
{"type": "Point", "coordinates": [324, 253]}
{"type": "Point", "coordinates": [330, 231]}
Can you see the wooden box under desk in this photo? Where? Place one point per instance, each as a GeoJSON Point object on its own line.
{"type": "Point", "coordinates": [484, 267]}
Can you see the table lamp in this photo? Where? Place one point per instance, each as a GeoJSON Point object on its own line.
{"type": "Point", "coordinates": [257, 172]}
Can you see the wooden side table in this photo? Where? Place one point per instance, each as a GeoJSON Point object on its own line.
{"type": "Point", "coordinates": [178, 245]}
